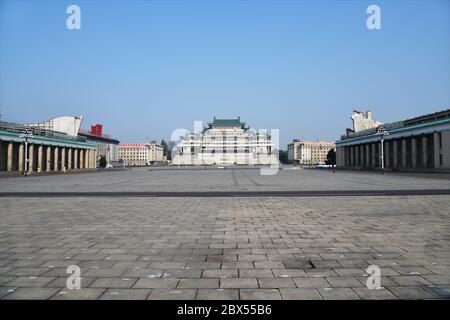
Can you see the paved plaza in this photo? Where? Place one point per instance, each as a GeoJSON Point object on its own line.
{"type": "Point", "coordinates": [185, 247]}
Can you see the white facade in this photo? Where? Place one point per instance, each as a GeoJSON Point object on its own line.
{"type": "Point", "coordinates": [67, 124]}
{"type": "Point", "coordinates": [155, 152]}
{"type": "Point", "coordinates": [363, 121]}
{"type": "Point", "coordinates": [309, 152]}
{"type": "Point", "coordinates": [225, 142]}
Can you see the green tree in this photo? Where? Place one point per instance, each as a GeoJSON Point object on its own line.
{"type": "Point", "coordinates": [283, 156]}
{"type": "Point", "coordinates": [165, 147]}
{"type": "Point", "coordinates": [331, 157]}
{"type": "Point", "coordinates": [102, 162]}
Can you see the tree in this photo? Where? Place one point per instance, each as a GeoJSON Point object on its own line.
{"type": "Point", "coordinates": [283, 156]}
{"type": "Point", "coordinates": [331, 157]}
{"type": "Point", "coordinates": [102, 162]}
{"type": "Point", "coordinates": [167, 149]}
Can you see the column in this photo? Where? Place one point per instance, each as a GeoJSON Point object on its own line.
{"type": "Point", "coordinates": [40, 162]}
{"type": "Point", "coordinates": [56, 159]}
{"type": "Point", "coordinates": [95, 159]}
{"type": "Point", "coordinates": [69, 158]}
{"type": "Point", "coordinates": [48, 165]}
{"type": "Point", "coordinates": [437, 149]}
{"type": "Point", "coordinates": [395, 154]}
{"type": "Point", "coordinates": [403, 153]}
{"type": "Point", "coordinates": [361, 155]}
{"type": "Point", "coordinates": [86, 157]}
{"type": "Point", "coordinates": [372, 155]}
{"type": "Point", "coordinates": [367, 162]}
{"type": "Point", "coordinates": [31, 158]}
{"type": "Point", "coordinates": [75, 158]}
{"type": "Point", "coordinates": [81, 158]}
{"type": "Point", "coordinates": [91, 159]}
{"type": "Point", "coordinates": [386, 154]}
{"type": "Point", "coordinates": [350, 163]}
{"type": "Point", "coordinates": [414, 152]}
{"type": "Point", "coordinates": [21, 158]}
{"type": "Point", "coordinates": [424, 152]}
{"type": "Point", "coordinates": [63, 159]}
{"type": "Point", "coordinates": [10, 155]}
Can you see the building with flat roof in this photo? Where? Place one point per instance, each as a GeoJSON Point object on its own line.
{"type": "Point", "coordinates": [140, 154]}
{"type": "Point", "coordinates": [226, 141]}
{"type": "Point", "coordinates": [309, 152]}
{"type": "Point", "coordinates": [107, 146]}
{"type": "Point", "coordinates": [417, 144]}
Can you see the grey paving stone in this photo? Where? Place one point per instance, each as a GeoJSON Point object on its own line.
{"type": "Point", "coordinates": [276, 283]}
{"type": "Point", "coordinates": [411, 292]}
{"type": "Point", "coordinates": [344, 282]}
{"type": "Point", "coordinates": [125, 294]}
{"type": "Point", "coordinates": [311, 283]}
{"type": "Point", "coordinates": [260, 294]}
{"type": "Point", "coordinates": [300, 294]}
{"type": "Point", "coordinates": [409, 280]}
{"type": "Point", "coordinates": [150, 283]}
{"type": "Point", "coordinates": [237, 265]}
{"type": "Point", "coordinates": [338, 294]}
{"type": "Point", "coordinates": [255, 273]}
{"type": "Point", "coordinates": [29, 281]}
{"type": "Point", "coordinates": [173, 294]}
{"type": "Point", "coordinates": [31, 294]}
{"type": "Point", "coordinates": [217, 294]}
{"type": "Point", "coordinates": [100, 272]}
{"type": "Point", "coordinates": [374, 294]}
{"type": "Point", "coordinates": [289, 273]}
{"type": "Point", "coordinates": [320, 273]}
{"type": "Point", "coordinates": [198, 283]}
{"type": "Point", "coordinates": [220, 273]}
{"type": "Point", "coordinates": [238, 283]}
{"type": "Point", "coordinates": [61, 282]}
{"type": "Point", "coordinates": [113, 283]}
{"type": "Point", "coordinates": [6, 290]}
{"type": "Point", "coordinates": [78, 294]}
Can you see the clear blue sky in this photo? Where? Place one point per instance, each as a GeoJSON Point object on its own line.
{"type": "Point", "coordinates": [144, 68]}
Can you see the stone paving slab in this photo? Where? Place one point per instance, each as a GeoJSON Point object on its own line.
{"type": "Point", "coordinates": [225, 248]}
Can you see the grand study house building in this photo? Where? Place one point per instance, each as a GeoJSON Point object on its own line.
{"type": "Point", "coordinates": [226, 141]}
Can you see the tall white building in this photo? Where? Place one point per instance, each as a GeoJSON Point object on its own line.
{"type": "Point", "coordinates": [225, 141]}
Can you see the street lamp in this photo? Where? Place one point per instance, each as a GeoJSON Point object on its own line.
{"type": "Point", "coordinates": [26, 135]}
{"type": "Point", "coordinates": [382, 132]}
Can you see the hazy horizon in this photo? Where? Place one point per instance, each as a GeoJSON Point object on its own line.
{"type": "Point", "coordinates": [145, 68]}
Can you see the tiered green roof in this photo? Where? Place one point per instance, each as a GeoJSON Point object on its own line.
{"type": "Point", "coordinates": [227, 122]}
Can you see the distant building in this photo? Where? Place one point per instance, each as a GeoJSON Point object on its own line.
{"type": "Point", "coordinates": [226, 141]}
{"type": "Point", "coordinates": [309, 152]}
{"type": "Point", "coordinates": [106, 145]}
{"type": "Point", "coordinates": [68, 125]}
{"type": "Point", "coordinates": [417, 144]}
{"type": "Point", "coordinates": [140, 154]}
{"type": "Point", "coordinates": [38, 149]}
{"type": "Point", "coordinates": [155, 152]}
{"type": "Point", "coordinates": [71, 126]}
{"type": "Point", "coordinates": [292, 151]}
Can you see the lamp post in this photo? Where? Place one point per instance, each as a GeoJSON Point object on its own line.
{"type": "Point", "coordinates": [26, 135]}
{"type": "Point", "coordinates": [382, 132]}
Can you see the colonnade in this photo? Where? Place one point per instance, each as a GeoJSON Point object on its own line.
{"type": "Point", "coordinates": [35, 157]}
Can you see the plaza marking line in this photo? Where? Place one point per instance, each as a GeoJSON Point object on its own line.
{"type": "Point", "coordinates": [241, 194]}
